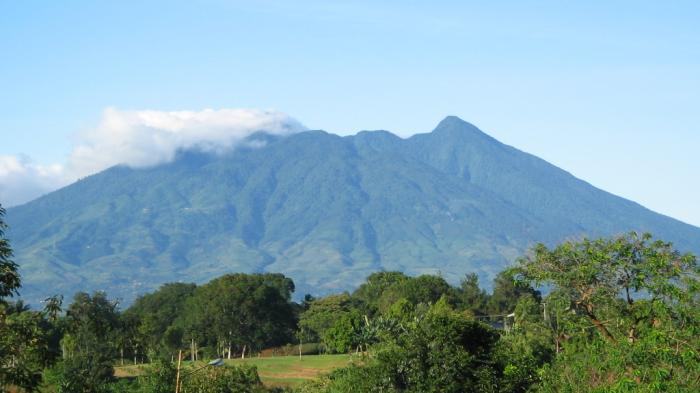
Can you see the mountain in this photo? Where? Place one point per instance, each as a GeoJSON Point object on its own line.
{"type": "Point", "coordinates": [323, 209]}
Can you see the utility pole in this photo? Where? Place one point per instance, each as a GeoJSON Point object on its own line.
{"type": "Point", "coordinates": [177, 378]}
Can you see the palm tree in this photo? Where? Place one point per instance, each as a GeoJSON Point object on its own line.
{"type": "Point", "coordinates": [52, 307]}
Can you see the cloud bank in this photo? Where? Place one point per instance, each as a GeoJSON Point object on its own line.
{"type": "Point", "coordinates": [138, 139]}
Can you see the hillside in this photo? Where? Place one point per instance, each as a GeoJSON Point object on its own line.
{"type": "Point", "coordinates": [323, 209]}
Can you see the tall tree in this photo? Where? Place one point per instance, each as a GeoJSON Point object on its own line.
{"type": "Point", "coordinates": [23, 348]}
{"type": "Point", "coordinates": [92, 326]}
{"type": "Point", "coordinates": [156, 312]}
{"type": "Point", "coordinates": [53, 307]}
{"type": "Point", "coordinates": [243, 310]}
{"type": "Point", "coordinates": [471, 296]}
{"type": "Point", "coordinates": [9, 275]}
{"type": "Point", "coordinates": [640, 296]}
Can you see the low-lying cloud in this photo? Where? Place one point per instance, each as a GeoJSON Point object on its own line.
{"type": "Point", "coordinates": [22, 180]}
{"type": "Point", "coordinates": [138, 139]}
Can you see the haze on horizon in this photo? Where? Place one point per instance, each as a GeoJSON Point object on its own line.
{"type": "Point", "coordinates": [608, 92]}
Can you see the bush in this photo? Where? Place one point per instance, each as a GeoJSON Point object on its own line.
{"type": "Point", "coordinates": [243, 379]}
{"type": "Point", "coordinates": [159, 379]}
{"type": "Point", "coordinates": [88, 373]}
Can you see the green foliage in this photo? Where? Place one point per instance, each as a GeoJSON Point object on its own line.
{"type": "Point", "coordinates": [322, 314]}
{"type": "Point", "coordinates": [242, 379]}
{"type": "Point", "coordinates": [92, 324]}
{"type": "Point", "coordinates": [53, 307]}
{"type": "Point", "coordinates": [247, 310]}
{"type": "Point", "coordinates": [89, 372]}
{"type": "Point", "coordinates": [471, 296]}
{"type": "Point", "coordinates": [525, 349]}
{"type": "Point", "coordinates": [507, 292]}
{"type": "Point", "coordinates": [402, 310]}
{"type": "Point", "coordinates": [342, 336]}
{"type": "Point", "coordinates": [24, 348]}
{"type": "Point", "coordinates": [24, 334]}
{"type": "Point", "coordinates": [152, 319]}
{"type": "Point", "coordinates": [9, 276]}
{"type": "Point", "coordinates": [160, 378]}
{"type": "Point", "coordinates": [383, 289]}
{"type": "Point", "coordinates": [369, 378]}
{"type": "Point", "coordinates": [627, 309]}
{"type": "Point", "coordinates": [442, 351]}
{"type": "Point", "coordinates": [92, 321]}
{"type": "Point", "coordinates": [373, 292]}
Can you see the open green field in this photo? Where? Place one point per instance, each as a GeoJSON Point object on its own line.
{"type": "Point", "coordinates": [291, 370]}
{"type": "Point", "coordinates": [274, 371]}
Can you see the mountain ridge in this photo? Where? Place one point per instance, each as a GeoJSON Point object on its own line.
{"type": "Point", "coordinates": [326, 210]}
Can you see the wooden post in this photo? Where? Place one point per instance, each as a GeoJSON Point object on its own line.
{"type": "Point", "coordinates": [177, 378]}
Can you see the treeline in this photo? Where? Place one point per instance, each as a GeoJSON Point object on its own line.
{"type": "Point", "coordinates": [620, 315]}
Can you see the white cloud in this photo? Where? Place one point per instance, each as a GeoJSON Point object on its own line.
{"type": "Point", "coordinates": [138, 139]}
{"type": "Point", "coordinates": [22, 180]}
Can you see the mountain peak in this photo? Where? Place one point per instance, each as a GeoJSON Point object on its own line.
{"type": "Point", "coordinates": [451, 119]}
{"type": "Point", "coordinates": [455, 121]}
{"type": "Point", "coordinates": [455, 125]}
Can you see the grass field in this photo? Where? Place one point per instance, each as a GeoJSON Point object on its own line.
{"type": "Point", "coordinates": [290, 370]}
{"type": "Point", "coordinates": [274, 371]}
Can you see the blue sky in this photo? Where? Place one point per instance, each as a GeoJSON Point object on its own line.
{"type": "Point", "coordinates": [609, 91]}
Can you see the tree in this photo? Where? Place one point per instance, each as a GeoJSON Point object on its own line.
{"type": "Point", "coordinates": [85, 373]}
{"type": "Point", "coordinates": [631, 312]}
{"type": "Point", "coordinates": [371, 292]}
{"type": "Point", "coordinates": [53, 307]}
{"type": "Point", "coordinates": [471, 296]}
{"type": "Point", "coordinates": [246, 310]}
{"type": "Point", "coordinates": [441, 351]}
{"type": "Point", "coordinates": [9, 275]}
{"type": "Point", "coordinates": [323, 313]}
{"type": "Point", "coordinates": [154, 313]}
{"type": "Point", "coordinates": [23, 347]}
{"type": "Point", "coordinates": [92, 326]}
{"type": "Point", "coordinates": [385, 288]}
{"type": "Point", "coordinates": [342, 336]}
{"type": "Point", "coordinates": [507, 291]}
{"type": "Point", "coordinates": [92, 320]}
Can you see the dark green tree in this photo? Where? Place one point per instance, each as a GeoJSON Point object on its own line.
{"type": "Point", "coordinates": [155, 313]}
{"type": "Point", "coordinates": [471, 296]}
{"type": "Point", "coordinates": [242, 310]}
{"type": "Point", "coordinates": [92, 323]}
{"type": "Point", "coordinates": [53, 307]}
{"type": "Point", "coordinates": [507, 291]}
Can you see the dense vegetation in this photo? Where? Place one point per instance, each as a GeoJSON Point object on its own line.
{"type": "Point", "coordinates": [621, 314]}
{"type": "Point", "coordinates": [326, 210]}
